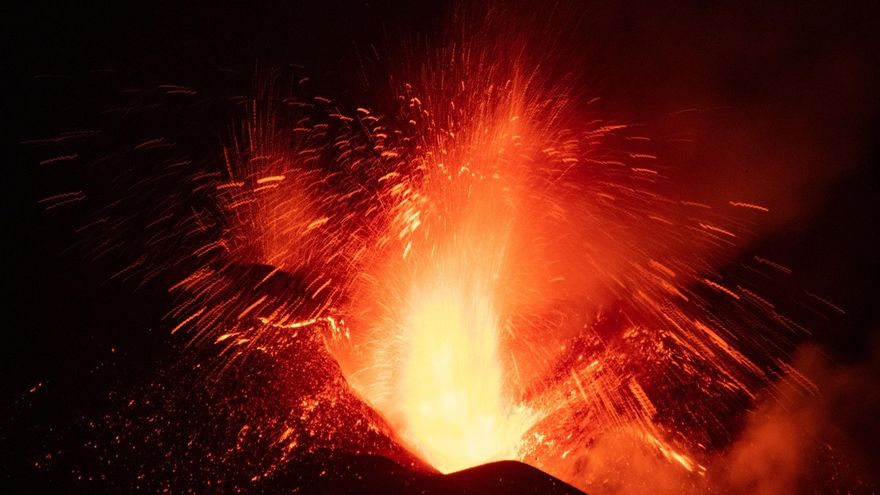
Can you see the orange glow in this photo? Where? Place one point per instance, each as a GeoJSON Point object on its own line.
{"type": "Point", "coordinates": [435, 369]}
{"type": "Point", "coordinates": [493, 268]}
{"type": "Point", "coordinates": [452, 404]}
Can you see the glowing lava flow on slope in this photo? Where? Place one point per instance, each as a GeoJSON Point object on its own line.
{"type": "Point", "coordinates": [497, 274]}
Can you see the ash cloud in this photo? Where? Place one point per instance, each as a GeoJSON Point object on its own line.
{"type": "Point", "coordinates": [798, 439]}
{"type": "Point", "coordinates": [811, 443]}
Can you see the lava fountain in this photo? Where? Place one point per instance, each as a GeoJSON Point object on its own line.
{"type": "Point", "coordinates": [497, 272]}
{"type": "Point", "coordinates": [451, 402]}
{"type": "Point", "coordinates": [436, 299]}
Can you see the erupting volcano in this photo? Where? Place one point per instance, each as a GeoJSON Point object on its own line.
{"type": "Point", "coordinates": [492, 269]}
{"type": "Point", "coordinates": [473, 265]}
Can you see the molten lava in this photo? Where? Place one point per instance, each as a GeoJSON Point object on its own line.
{"type": "Point", "coordinates": [453, 404]}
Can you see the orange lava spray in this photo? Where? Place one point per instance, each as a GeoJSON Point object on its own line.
{"type": "Point", "coordinates": [499, 274]}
